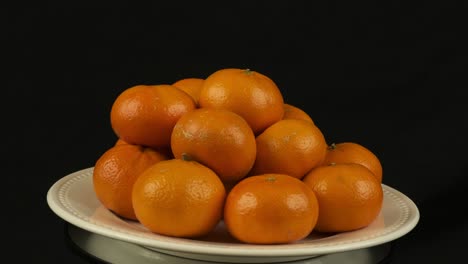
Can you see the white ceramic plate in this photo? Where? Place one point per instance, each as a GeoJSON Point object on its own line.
{"type": "Point", "coordinates": [73, 199]}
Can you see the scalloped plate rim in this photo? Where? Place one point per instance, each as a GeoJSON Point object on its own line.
{"type": "Point", "coordinates": [211, 248]}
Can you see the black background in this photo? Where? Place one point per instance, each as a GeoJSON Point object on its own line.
{"type": "Point", "coordinates": [387, 76]}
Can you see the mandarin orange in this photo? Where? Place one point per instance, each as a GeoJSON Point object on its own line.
{"type": "Point", "coordinates": [270, 209]}
{"type": "Point", "coordinates": [349, 196]}
{"type": "Point", "coordinates": [252, 95]}
{"type": "Point", "coordinates": [217, 138]}
{"type": "Point", "coordinates": [179, 198]}
{"type": "Point", "coordinates": [146, 114]}
{"type": "Point", "coordinates": [116, 171]}
{"type": "Point", "coordinates": [291, 147]}
{"type": "Point", "coordinates": [294, 112]}
{"type": "Point", "coordinates": [192, 86]}
{"type": "Point", "coordinates": [351, 152]}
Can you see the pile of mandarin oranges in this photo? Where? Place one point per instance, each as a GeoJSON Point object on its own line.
{"type": "Point", "coordinates": [228, 148]}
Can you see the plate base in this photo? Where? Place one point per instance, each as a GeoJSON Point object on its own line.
{"type": "Point", "coordinates": [231, 259]}
{"type": "Point", "coordinates": [116, 251]}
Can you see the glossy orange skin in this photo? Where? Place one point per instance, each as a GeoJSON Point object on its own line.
{"type": "Point", "coordinates": [351, 152]}
{"type": "Point", "coordinates": [291, 147]}
{"type": "Point", "coordinates": [270, 209]}
{"type": "Point", "coordinates": [250, 94]}
{"type": "Point", "coordinates": [179, 198]}
{"type": "Point", "coordinates": [349, 196]}
{"type": "Point", "coordinates": [116, 171]}
{"type": "Point", "coordinates": [146, 114]}
{"type": "Point", "coordinates": [220, 139]}
{"type": "Point", "coordinates": [192, 86]}
{"type": "Point", "coordinates": [293, 112]}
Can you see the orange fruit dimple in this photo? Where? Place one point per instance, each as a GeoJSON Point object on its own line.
{"type": "Point", "coordinates": [179, 198]}
{"type": "Point", "coordinates": [146, 114]}
{"type": "Point", "coordinates": [217, 138]}
{"type": "Point", "coordinates": [116, 171]}
{"type": "Point", "coordinates": [291, 147]}
{"type": "Point", "coordinates": [192, 86]}
{"type": "Point", "coordinates": [250, 94]}
{"type": "Point", "coordinates": [293, 112]}
{"type": "Point", "coordinates": [270, 209]}
{"type": "Point", "coordinates": [350, 152]}
{"type": "Point", "coordinates": [349, 196]}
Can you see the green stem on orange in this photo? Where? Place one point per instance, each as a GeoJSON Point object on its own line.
{"type": "Point", "coordinates": [186, 157]}
{"type": "Point", "coordinates": [270, 179]}
{"type": "Point", "coordinates": [332, 146]}
{"type": "Point", "coordinates": [248, 71]}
